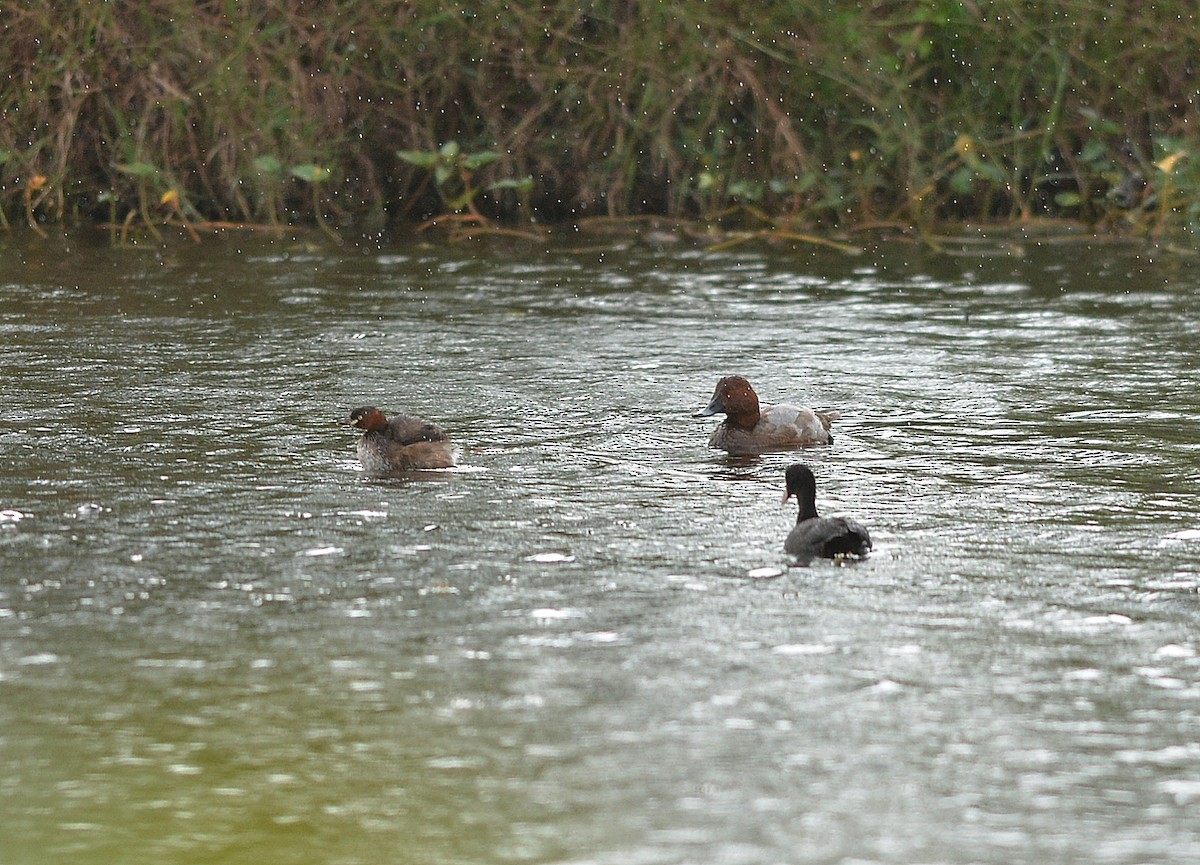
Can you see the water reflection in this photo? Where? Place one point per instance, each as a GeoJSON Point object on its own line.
{"type": "Point", "coordinates": [216, 635]}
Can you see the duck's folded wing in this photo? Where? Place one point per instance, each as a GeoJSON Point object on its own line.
{"type": "Point", "coordinates": [789, 422]}
{"type": "Point", "coordinates": [407, 429]}
{"type": "Point", "coordinates": [827, 417]}
{"type": "Point", "coordinates": [828, 537]}
{"type": "Point", "coordinates": [850, 538]}
{"type": "Point", "coordinates": [425, 455]}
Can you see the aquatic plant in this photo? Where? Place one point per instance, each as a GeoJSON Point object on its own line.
{"type": "Point", "coordinates": [315, 176]}
{"type": "Point", "coordinates": [453, 173]}
{"type": "Point", "coordinates": [36, 185]}
{"type": "Point", "coordinates": [809, 113]}
{"type": "Point", "coordinates": [268, 172]}
{"type": "Point", "coordinates": [4, 155]}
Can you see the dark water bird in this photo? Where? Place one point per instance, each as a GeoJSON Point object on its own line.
{"type": "Point", "coordinates": [814, 535]}
{"type": "Point", "coordinates": [401, 444]}
{"type": "Point", "coordinates": [753, 428]}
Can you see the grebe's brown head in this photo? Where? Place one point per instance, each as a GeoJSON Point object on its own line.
{"type": "Point", "coordinates": [368, 418]}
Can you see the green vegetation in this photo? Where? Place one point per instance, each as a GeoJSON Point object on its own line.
{"type": "Point", "coordinates": [785, 116]}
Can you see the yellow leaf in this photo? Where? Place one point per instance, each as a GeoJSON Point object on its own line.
{"type": "Point", "coordinates": [1167, 164]}
{"type": "Point", "coordinates": [170, 197]}
{"type": "Point", "coordinates": [968, 151]}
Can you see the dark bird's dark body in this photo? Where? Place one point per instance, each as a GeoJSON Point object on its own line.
{"type": "Point", "coordinates": [815, 536]}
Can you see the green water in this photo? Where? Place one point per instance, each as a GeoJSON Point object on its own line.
{"type": "Point", "coordinates": [220, 644]}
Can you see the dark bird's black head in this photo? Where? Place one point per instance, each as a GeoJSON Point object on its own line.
{"type": "Point", "coordinates": [800, 482]}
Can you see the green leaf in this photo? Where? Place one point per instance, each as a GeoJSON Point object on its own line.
{"type": "Point", "coordinates": [991, 171]}
{"type": "Point", "coordinates": [418, 158]}
{"type": "Point", "coordinates": [310, 173]}
{"type": "Point", "coordinates": [461, 201]}
{"type": "Point", "coordinates": [792, 184]}
{"type": "Point", "coordinates": [1068, 199]}
{"type": "Point", "coordinates": [4, 155]}
{"type": "Point", "coordinates": [747, 190]}
{"type": "Point", "coordinates": [961, 180]}
{"type": "Point", "coordinates": [474, 161]}
{"type": "Point", "coordinates": [1093, 152]}
{"type": "Point", "coordinates": [449, 151]}
{"type": "Point", "coordinates": [268, 165]}
{"type": "Point", "coordinates": [523, 184]}
{"type": "Point", "coordinates": [1169, 143]}
{"type": "Point", "coordinates": [137, 169]}
{"type": "Point", "coordinates": [1100, 124]}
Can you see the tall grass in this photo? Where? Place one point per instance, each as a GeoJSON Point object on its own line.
{"type": "Point", "coordinates": [803, 113]}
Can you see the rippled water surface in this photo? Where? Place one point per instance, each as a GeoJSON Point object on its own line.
{"type": "Point", "coordinates": [219, 643]}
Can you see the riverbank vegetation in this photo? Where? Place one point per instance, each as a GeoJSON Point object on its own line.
{"type": "Point", "coordinates": [791, 116]}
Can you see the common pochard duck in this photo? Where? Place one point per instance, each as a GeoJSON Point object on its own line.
{"type": "Point", "coordinates": [750, 428]}
{"type": "Point", "coordinates": [402, 444]}
{"type": "Point", "coordinates": [814, 535]}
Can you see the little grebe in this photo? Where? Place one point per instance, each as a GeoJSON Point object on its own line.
{"type": "Point", "coordinates": [402, 444]}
